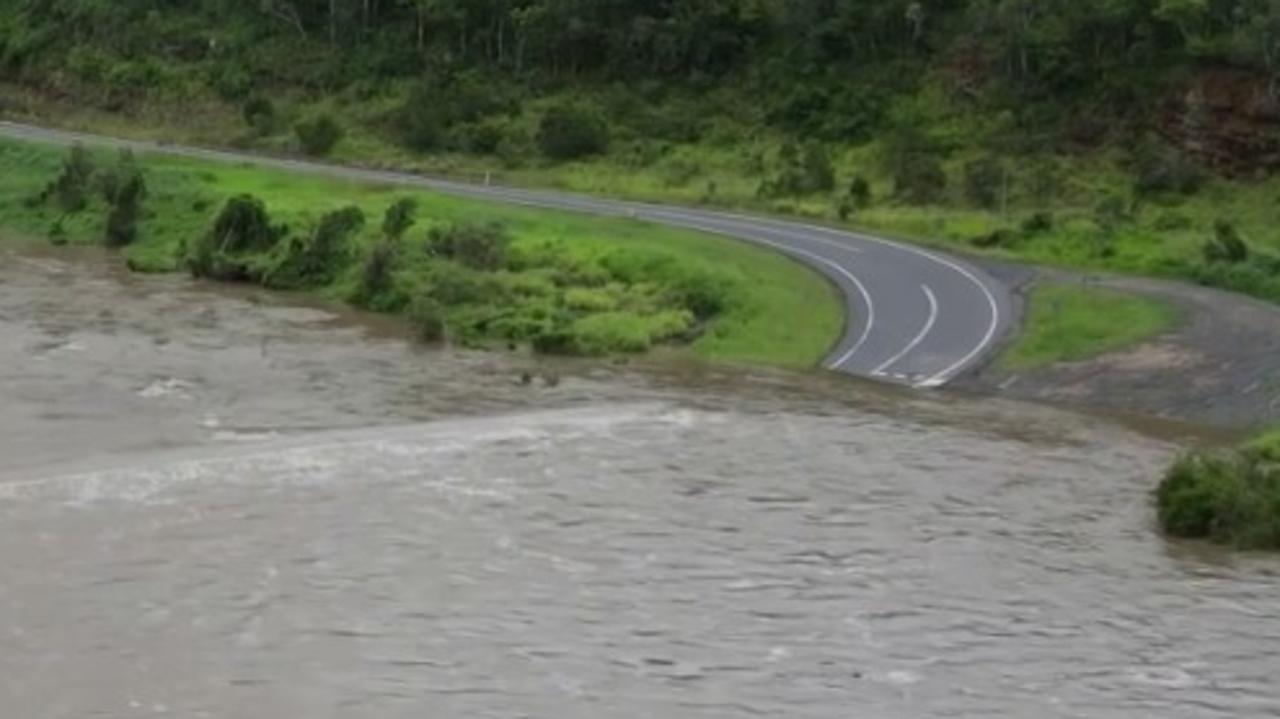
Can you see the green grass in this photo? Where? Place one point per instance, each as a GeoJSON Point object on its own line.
{"type": "Point", "coordinates": [1068, 322]}
{"type": "Point", "coordinates": [1229, 497]}
{"type": "Point", "coordinates": [775, 311]}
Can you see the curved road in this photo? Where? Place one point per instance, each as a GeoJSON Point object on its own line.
{"type": "Point", "coordinates": [916, 317]}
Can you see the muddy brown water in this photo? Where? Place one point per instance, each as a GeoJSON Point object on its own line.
{"type": "Point", "coordinates": [220, 503]}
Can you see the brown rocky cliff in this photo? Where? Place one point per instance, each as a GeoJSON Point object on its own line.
{"type": "Point", "coordinates": [1229, 118]}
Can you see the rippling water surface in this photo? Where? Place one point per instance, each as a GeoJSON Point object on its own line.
{"type": "Point", "coordinates": [214, 503]}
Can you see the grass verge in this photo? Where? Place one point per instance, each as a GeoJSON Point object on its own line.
{"type": "Point", "coordinates": [1069, 322]}
{"type": "Point", "coordinates": [599, 284]}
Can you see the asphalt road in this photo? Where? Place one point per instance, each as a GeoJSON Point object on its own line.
{"type": "Point", "coordinates": [915, 317]}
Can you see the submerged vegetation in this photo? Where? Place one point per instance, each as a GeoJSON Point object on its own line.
{"type": "Point", "coordinates": [1227, 496]}
{"type": "Point", "coordinates": [458, 270]}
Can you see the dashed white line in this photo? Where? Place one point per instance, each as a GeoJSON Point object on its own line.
{"type": "Point", "coordinates": [924, 332]}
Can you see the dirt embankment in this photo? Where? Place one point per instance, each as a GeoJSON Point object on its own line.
{"type": "Point", "coordinates": [1220, 366]}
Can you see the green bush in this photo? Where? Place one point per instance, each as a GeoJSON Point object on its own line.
{"type": "Point", "coordinates": [920, 179]}
{"type": "Point", "coordinates": [399, 218]}
{"type": "Point", "coordinates": [319, 135]}
{"type": "Point", "coordinates": [377, 289]}
{"type": "Point", "coordinates": [480, 246]}
{"type": "Point", "coordinates": [1159, 169]}
{"type": "Point", "coordinates": [803, 172]}
{"type": "Point", "coordinates": [1037, 223]}
{"type": "Point", "coordinates": [985, 181]}
{"type": "Point", "coordinates": [571, 132]}
{"type": "Point", "coordinates": [316, 259]}
{"type": "Point", "coordinates": [232, 247]}
{"type": "Point", "coordinates": [427, 318]}
{"type": "Point", "coordinates": [260, 114]}
{"type": "Point", "coordinates": [126, 206]}
{"type": "Point", "coordinates": [1229, 497]}
{"type": "Point", "coordinates": [70, 189]}
{"type": "Point", "coordinates": [1226, 245]}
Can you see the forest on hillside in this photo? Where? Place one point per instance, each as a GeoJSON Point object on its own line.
{"type": "Point", "coordinates": [824, 69]}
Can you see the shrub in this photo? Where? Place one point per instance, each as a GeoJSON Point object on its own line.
{"type": "Point", "coordinates": [243, 225]}
{"type": "Point", "coordinates": [804, 172]}
{"type": "Point", "coordinates": [478, 246]}
{"type": "Point", "coordinates": [1003, 237]}
{"type": "Point", "coordinates": [1037, 223]}
{"type": "Point", "coordinates": [1158, 169]}
{"type": "Point", "coordinates": [399, 218]}
{"type": "Point", "coordinates": [1110, 213]}
{"type": "Point", "coordinates": [427, 318]}
{"type": "Point", "coordinates": [376, 289]}
{"type": "Point", "coordinates": [315, 260]}
{"type": "Point", "coordinates": [984, 181]}
{"type": "Point", "coordinates": [859, 192]}
{"type": "Point", "coordinates": [920, 179]}
{"type": "Point", "coordinates": [1226, 245]}
{"type": "Point", "coordinates": [70, 189]}
{"type": "Point", "coordinates": [260, 114]}
{"type": "Point", "coordinates": [1229, 497]}
{"type": "Point", "coordinates": [319, 135]}
{"type": "Point", "coordinates": [126, 206]}
{"type": "Point", "coordinates": [571, 131]}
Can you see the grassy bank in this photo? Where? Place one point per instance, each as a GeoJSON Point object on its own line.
{"type": "Point", "coordinates": [1072, 322]}
{"type": "Point", "coordinates": [487, 273]}
{"type": "Point", "coordinates": [1143, 209]}
{"type": "Point", "coordinates": [1230, 497]}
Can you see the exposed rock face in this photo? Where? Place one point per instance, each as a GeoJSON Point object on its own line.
{"type": "Point", "coordinates": [1229, 118]}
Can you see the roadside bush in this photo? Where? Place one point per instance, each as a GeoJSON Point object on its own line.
{"type": "Point", "coordinates": [1229, 497]}
{"type": "Point", "coordinates": [399, 218]}
{"type": "Point", "coordinates": [920, 179]}
{"type": "Point", "coordinates": [985, 181]}
{"type": "Point", "coordinates": [1003, 237]}
{"type": "Point", "coordinates": [319, 135]}
{"type": "Point", "coordinates": [260, 114]}
{"type": "Point", "coordinates": [478, 246]}
{"type": "Point", "coordinates": [804, 172]}
{"type": "Point", "coordinates": [70, 189]}
{"type": "Point", "coordinates": [1110, 213]}
{"type": "Point", "coordinates": [315, 259]}
{"type": "Point", "coordinates": [1160, 169]}
{"type": "Point", "coordinates": [1037, 223]}
{"type": "Point", "coordinates": [377, 289]}
{"type": "Point", "coordinates": [126, 206]}
{"type": "Point", "coordinates": [571, 132]}
{"type": "Point", "coordinates": [1226, 245]}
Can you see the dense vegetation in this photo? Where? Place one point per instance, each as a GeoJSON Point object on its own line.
{"type": "Point", "coordinates": [1227, 496]}
{"type": "Point", "coordinates": [1094, 133]}
{"type": "Point", "coordinates": [464, 271]}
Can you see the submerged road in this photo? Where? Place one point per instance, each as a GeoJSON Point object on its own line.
{"type": "Point", "coordinates": [915, 317]}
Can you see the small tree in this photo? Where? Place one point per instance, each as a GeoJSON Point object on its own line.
{"type": "Point", "coordinates": [1226, 246]}
{"type": "Point", "coordinates": [260, 114]}
{"type": "Point", "coordinates": [126, 207]}
{"type": "Point", "coordinates": [399, 218]}
{"type": "Point", "coordinates": [570, 132]}
{"type": "Point", "coordinates": [319, 135]}
{"type": "Point", "coordinates": [984, 181]}
{"type": "Point", "coordinates": [70, 189]}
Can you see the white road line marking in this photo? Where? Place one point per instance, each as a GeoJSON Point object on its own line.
{"type": "Point", "coordinates": [924, 332]}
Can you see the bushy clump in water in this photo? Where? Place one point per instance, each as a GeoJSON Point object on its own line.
{"type": "Point", "coordinates": [316, 259]}
{"type": "Point", "coordinates": [1229, 497]}
{"type": "Point", "coordinates": [234, 246]}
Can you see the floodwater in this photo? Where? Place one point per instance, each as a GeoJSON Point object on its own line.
{"type": "Point", "coordinates": [220, 503]}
